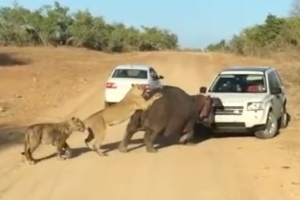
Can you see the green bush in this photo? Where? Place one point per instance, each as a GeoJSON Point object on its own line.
{"type": "Point", "coordinates": [55, 25]}
{"type": "Point", "coordinates": [276, 34]}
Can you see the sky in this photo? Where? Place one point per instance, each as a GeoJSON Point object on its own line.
{"type": "Point", "coordinates": [197, 23]}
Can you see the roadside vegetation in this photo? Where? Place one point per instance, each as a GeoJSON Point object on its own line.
{"type": "Point", "coordinates": [56, 25]}
{"type": "Point", "coordinates": [275, 35]}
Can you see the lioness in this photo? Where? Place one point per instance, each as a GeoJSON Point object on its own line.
{"type": "Point", "coordinates": [55, 134]}
{"type": "Point", "coordinates": [97, 123]}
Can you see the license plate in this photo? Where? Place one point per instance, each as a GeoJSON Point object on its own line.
{"type": "Point", "coordinates": [224, 118]}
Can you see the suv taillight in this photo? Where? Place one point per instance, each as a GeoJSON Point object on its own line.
{"type": "Point", "coordinates": [111, 85]}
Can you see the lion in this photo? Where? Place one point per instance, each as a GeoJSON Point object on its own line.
{"type": "Point", "coordinates": [54, 134]}
{"type": "Point", "coordinates": [98, 122]}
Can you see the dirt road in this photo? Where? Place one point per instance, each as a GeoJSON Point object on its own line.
{"type": "Point", "coordinates": [218, 169]}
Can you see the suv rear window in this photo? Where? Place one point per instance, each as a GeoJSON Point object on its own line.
{"type": "Point", "coordinates": [130, 73]}
{"type": "Point", "coordinates": [239, 83]}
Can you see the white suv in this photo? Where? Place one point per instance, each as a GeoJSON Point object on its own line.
{"type": "Point", "coordinates": [253, 101]}
{"type": "Point", "coordinates": [121, 78]}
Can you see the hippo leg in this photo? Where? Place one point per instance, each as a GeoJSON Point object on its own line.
{"type": "Point", "coordinates": [126, 139]}
{"type": "Point", "coordinates": [149, 136]}
{"type": "Point", "coordinates": [187, 137]}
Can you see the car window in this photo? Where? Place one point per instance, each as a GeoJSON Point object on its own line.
{"type": "Point", "coordinates": [130, 73]}
{"type": "Point", "coordinates": [279, 78]}
{"type": "Point", "coordinates": [153, 74]}
{"type": "Point", "coordinates": [239, 83]}
{"type": "Point", "coordinates": [273, 81]}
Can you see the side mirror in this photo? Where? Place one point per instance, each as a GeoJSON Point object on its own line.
{"type": "Point", "coordinates": [203, 90]}
{"type": "Point", "coordinates": [276, 91]}
{"type": "Point", "coordinates": [161, 77]}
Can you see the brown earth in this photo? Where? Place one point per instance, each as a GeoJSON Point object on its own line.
{"type": "Point", "coordinates": [39, 84]}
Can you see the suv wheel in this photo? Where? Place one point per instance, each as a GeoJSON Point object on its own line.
{"type": "Point", "coordinates": [271, 128]}
{"type": "Point", "coordinates": [106, 104]}
{"type": "Point", "coordinates": [284, 119]}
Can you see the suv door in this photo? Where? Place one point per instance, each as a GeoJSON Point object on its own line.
{"type": "Point", "coordinates": [155, 80]}
{"type": "Point", "coordinates": [277, 102]}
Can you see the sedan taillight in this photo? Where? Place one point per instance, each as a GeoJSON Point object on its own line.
{"type": "Point", "coordinates": [111, 85]}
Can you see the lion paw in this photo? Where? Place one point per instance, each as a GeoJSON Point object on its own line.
{"type": "Point", "coordinates": [123, 150]}
{"type": "Point", "coordinates": [68, 154]}
{"type": "Point", "coordinates": [31, 162]}
{"type": "Point", "coordinates": [151, 150]}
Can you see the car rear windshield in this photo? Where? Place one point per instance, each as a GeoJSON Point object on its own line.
{"type": "Point", "coordinates": [130, 73]}
{"type": "Point", "coordinates": [239, 83]}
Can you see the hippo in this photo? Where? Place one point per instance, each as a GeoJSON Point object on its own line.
{"type": "Point", "coordinates": [176, 112]}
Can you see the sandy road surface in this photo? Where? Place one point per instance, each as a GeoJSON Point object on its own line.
{"type": "Point", "coordinates": [217, 169]}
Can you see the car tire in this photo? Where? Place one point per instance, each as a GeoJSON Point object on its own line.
{"type": "Point", "coordinates": [271, 128]}
{"type": "Point", "coordinates": [284, 119]}
{"type": "Point", "coordinates": [106, 104]}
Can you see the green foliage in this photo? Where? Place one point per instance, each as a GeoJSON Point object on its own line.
{"type": "Point", "coordinates": [276, 34]}
{"type": "Point", "coordinates": [218, 46]}
{"type": "Point", "coordinates": [57, 26]}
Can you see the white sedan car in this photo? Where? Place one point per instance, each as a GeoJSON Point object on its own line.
{"type": "Point", "coordinates": [121, 78]}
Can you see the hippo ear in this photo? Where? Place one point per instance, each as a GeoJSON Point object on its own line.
{"type": "Point", "coordinates": [132, 85]}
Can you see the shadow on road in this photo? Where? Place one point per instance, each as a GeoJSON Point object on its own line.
{"type": "Point", "coordinates": [160, 142]}
{"type": "Point", "coordinates": [201, 134]}
{"type": "Point", "coordinates": [75, 153]}
{"type": "Point", "coordinates": [10, 135]}
{"type": "Point", "coordinates": [9, 60]}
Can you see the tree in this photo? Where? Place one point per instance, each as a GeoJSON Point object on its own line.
{"type": "Point", "coordinates": [276, 34]}
{"type": "Point", "coordinates": [54, 24]}
{"type": "Point", "coordinates": [295, 8]}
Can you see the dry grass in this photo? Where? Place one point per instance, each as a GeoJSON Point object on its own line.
{"type": "Point", "coordinates": [34, 79]}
